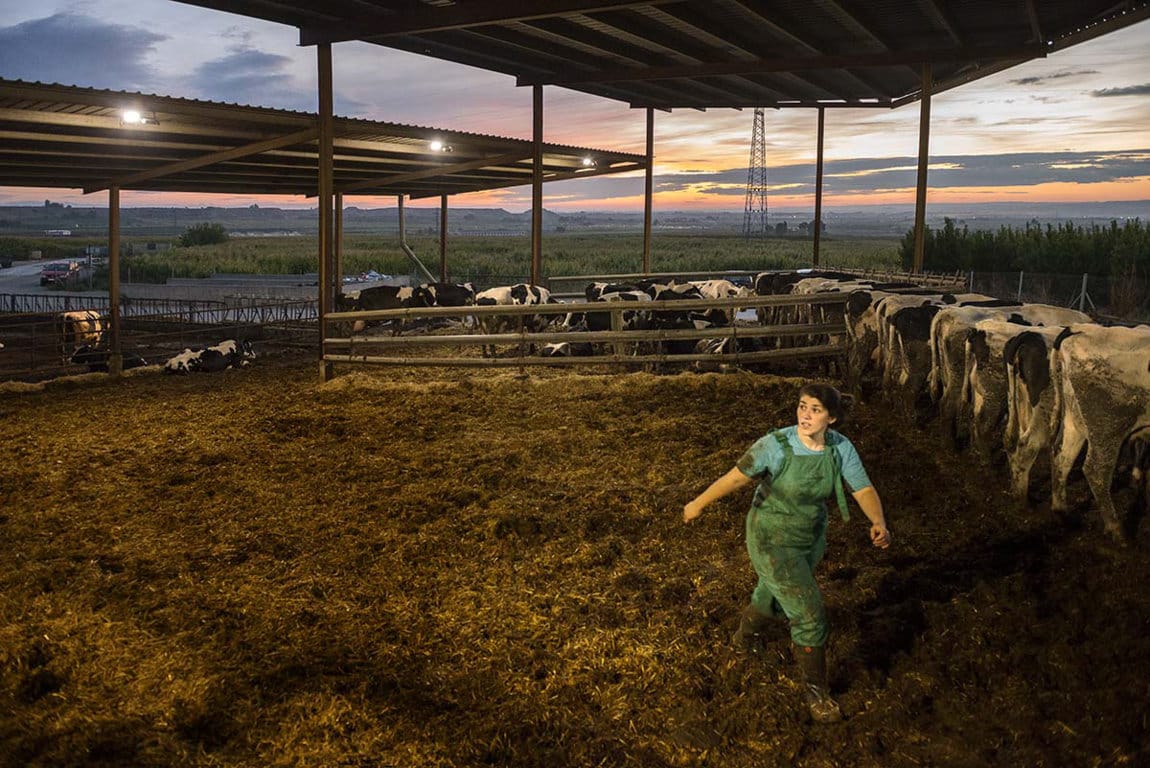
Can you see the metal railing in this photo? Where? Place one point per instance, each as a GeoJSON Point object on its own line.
{"type": "Point", "coordinates": [1125, 297]}
{"type": "Point", "coordinates": [152, 329]}
{"type": "Point", "coordinates": [809, 340]}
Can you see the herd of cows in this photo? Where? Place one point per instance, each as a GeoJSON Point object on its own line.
{"type": "Point", "coordinates": [581, 319]}
{"type": "Point", "coordinates": [1005, 377]}
{"type": "Point", "coordinates": [1020, 379]}
{"type": "Point", "coordinates": [82, 338]}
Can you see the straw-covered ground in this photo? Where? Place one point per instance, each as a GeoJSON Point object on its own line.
{"type": "Point", "coordinates": [415, 568]}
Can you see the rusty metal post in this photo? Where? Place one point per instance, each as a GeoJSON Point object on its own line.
{"type": "Point", "coordinates": [116, 360]}
{"type": "Point", "coordinates": [923, 162]}
{"type": "Point", "coordinates": [443, 238]}
{"type": "Point", "coordinates": [647, 191]}
{"type": "Point", "coordinates": [819, 188]}
{"type": "Point", "coordinates": [325, 186]}
{"type": "Point", "coordinates": [537, 184]}
{"type": "Point", "coordinates": [337, 268]}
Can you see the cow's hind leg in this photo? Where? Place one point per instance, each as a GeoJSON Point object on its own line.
{"type": "Point", "coordinates": [1022, 458]}
{"type": "Point", "coordinates": [1065, 452]}
{"type": "Point", "coordinates": [1101, 459]}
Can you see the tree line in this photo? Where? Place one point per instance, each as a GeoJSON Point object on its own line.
{"type": "Point", "coordinates": [1118, 250]}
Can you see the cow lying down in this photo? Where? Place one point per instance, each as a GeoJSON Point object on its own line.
{"type": "Point", "coordinates": [98, 359]}
{"type": "Point", "coordinates": [226, 354]}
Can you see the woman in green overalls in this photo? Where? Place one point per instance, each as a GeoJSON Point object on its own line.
{"type": "Point", "coordinates": [798, 468]}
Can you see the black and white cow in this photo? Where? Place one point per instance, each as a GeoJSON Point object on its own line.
{"type": "Point", "coordinates": [720, 289]}
{"type": "Point", "coordinates": [907, 369]}
{"type": "Point", "coordinates": [985, 384]}
{"type": "Point", "coordinates": [782, 282]}
{"type": "Point", "coordinates": [520, 294]}
{"type": "Point", "coordinates": [864, 353]}
{"type": "Point", "coordinates": [950, 369]}
{"type": "Point", "coordinates": [448, 294]}
{"type": "Point", "coordinates": [78, 328]}
{"type": "Point", "coordinates": [680, 319]}
{"type": "Point", "coordinates": [895, 352]}
{"type": "Point", "coordinates": [588, 320]}
{"type": "Point", "coordinates": [948, 334]}
{"type": "Point", "coordinates": [594, 291]}
{"type": "Point", "coordinates": [1029, 401]}
{"type": "Point", "coordinates": [226, 354]}
{"type": "Point", "coordinates": [382, 297]}
{"type": "Point", "coordinates": [723, 347]}
{"type": "Point", "coordinates": [1101, 378]}
{"type": "Point", "coordinates": [97, 359]}
{"type": "Point", "coordinates": [567, 349]}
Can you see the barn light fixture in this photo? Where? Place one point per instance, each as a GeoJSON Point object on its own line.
{"type": "Point", "coordinates": [588, 162]}
{"type": "Point", "coordinates": [438, 146]}
{"type": "Point", "coordinates": [136, 117]}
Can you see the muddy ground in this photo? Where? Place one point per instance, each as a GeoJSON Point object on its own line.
{"type": "Point", "coordinates": [422, 568]}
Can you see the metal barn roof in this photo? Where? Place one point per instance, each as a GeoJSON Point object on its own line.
{"type": "Point", "coordinates": [715, 53]}
{"type": "Point", "coordinates": [65, 136]}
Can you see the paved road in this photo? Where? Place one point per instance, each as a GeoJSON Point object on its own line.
{"type": "Point", "coordinates": [24, 277]}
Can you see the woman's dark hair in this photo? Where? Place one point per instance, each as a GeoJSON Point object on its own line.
{"type": "Point", "coordinates": [837, 404]}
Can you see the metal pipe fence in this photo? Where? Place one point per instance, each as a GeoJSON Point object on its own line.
{"type": "Point", "coordinates": [798, 341]}
{"type": "Point", "coordinates": [151, 329]}
{"type": "Point", "coordinates": [1124, 297]}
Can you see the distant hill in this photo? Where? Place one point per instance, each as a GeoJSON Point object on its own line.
{"type": "Point", "coordinates": [884, 220]}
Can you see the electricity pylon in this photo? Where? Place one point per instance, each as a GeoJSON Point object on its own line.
{"type": "Point", "coordinates": [755, 209]}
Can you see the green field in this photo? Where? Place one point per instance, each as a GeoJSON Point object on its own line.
{"type": "Point", "coordinates": [494, 260]}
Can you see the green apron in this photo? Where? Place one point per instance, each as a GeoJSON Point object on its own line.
{"type": "Point", "coordinates": [787, 537]}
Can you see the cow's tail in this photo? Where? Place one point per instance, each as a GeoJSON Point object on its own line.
{"type": "Point", "coordinates": [934, 378]}
{"type": "Point", "coordinates": [1056, 391]}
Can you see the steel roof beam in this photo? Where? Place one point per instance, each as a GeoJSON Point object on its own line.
{"type": "Point", "coordinates": [763, 66]}
{"type": "Point", "coordinates": [853, 19]}
{"type": "Point", "coordinates": [300, 137]}
{"type": "Point", "coordinates": [749, 45]}
{"type": "Point", "coordinates": [476, 13]}
{"type": "Point", "coordinates": [943, 18]}
{"type": "Point", "coordinates": [403, 178]}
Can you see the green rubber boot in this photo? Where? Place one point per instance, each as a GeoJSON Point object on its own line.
{"type": "Point", "coordinates": [812, 661]}
{"type": "Point", "coordinates": [748, 637]}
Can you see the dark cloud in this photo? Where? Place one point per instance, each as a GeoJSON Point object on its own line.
{"type": "Point", "coordinates": [1129, 90]}
{"type": "Point", "coordinates": [249, 76]}
{"type": "Point", "coordinates": [98, 54]}
{"type": "Point", "coordinates": [868, 175]}
{"type": "Point", "coordinates": [253, 77]}
{"type": "Point", "coordinates": [1039, 79]}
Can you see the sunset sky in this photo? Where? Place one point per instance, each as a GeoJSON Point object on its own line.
{"type": "Point", "coordinates": [1072, 127]}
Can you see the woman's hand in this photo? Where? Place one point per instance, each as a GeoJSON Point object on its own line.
{"type": "Point", "coordinates": [724, 486]}
{"type": "Point", "coordinates": [879, 536]}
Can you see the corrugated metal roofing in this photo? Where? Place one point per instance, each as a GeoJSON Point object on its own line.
{"type": "Point", "coordinates": [716, 53]}
{"type": "Point", "coordinates": [65, 136]}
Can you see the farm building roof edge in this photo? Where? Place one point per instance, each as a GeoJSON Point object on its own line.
{"type": "Point", "coordinates": [57, 135]}
{"type": "Point", "coordinates": [699, 54]}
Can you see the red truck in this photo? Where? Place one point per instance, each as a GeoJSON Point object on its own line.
{"type": "Point", "coordinates": [58, 272]}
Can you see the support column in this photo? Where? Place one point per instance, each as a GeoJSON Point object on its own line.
{"type": "Point", "coordinates": [116, 360]}
{"type": "Point", "coordinates": [402, 220]}
{"type": "Point", "coordinates": [819, 189]}
{"type": "Point", "coordinates": [923, 162]}
{"type": "Point", "coordinates": [325, 186]}
{"type": "Point", "coordinates": [443, 238]}
{"type": "Point", "coordinates": [647, 191]}
{"type": "Point", "coordinates": [337, 267]}
{"type": "Point", "coordinates": [537, 184]}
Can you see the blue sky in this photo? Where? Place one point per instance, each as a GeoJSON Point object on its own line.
{"type": "Point", "coordinates": [1074, 126]}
